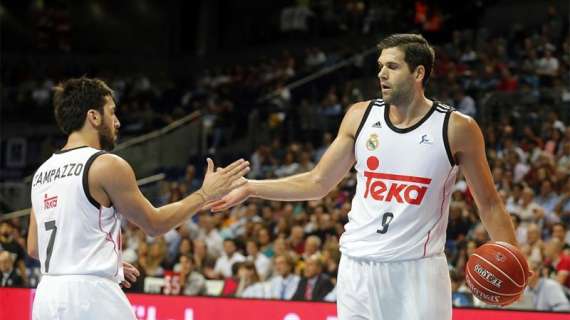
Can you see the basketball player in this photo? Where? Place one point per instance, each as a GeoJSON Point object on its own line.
{"type": "Point", "coordinates": [79, 197]}
{"type": "Point", "coordinates": [407, 150]}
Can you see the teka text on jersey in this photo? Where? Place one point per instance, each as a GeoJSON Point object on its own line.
{"type": "Point", "coordinates": [390, 187]}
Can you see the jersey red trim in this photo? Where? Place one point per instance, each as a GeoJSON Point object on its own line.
{"type": "Point", "coordinates": [397, 177]}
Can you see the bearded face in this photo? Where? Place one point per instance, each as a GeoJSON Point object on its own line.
{"type": "Point", "coordinates": [108, 130]}
{"type": "Point", "coordinates": [107, 136]}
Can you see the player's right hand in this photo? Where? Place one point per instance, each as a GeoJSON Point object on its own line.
{"type": "Point", "coordinates": [218, 183]}
{"type": "Point", "coordinates": [232, 199]}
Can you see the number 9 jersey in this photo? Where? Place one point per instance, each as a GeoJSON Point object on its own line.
{"type": "Point", "coordinates": [76, 235]}
{"type": "Point", "coordinates": [404, 183]}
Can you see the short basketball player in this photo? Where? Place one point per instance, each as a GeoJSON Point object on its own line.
{"type": "Point", "coordinates": [79, 197]}
{"type": "Point", "coordinates": [407, 150]}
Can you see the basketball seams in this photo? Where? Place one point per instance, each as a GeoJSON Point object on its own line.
{"type": "Point", "coordinates": [516, 258]}
{"type": "Point", "coordinates": [482, 287]}
{"type": "Point", "coordinates": [498, 269]}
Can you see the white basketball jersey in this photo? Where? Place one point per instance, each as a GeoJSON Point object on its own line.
{"type": "Point", "coordinates": [404, 183]}
{"type": "Point", "coordinates": [76, 236]}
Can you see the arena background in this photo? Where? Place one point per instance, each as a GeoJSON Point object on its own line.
{"type": "Point", "coordinates": [269, 81]}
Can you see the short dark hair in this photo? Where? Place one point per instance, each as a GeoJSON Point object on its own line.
{"type": "Point", "coordinates": [74, 97]}
{"type": "Point", "coordinates": [417, 51]}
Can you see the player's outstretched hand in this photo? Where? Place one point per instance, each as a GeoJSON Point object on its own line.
{"type": "Point", "coordinates": [232, 199]}
{"type": "Point", "coordinates": [131, 274]}
{"type": "Point", "coordinates": [220, 182]}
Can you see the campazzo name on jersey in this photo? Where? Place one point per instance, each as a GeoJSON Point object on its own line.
{"type": "Point", "coordinates": [55, 174]}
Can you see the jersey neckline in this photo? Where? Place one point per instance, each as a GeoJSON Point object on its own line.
{"type": "Point", "coordinates": [67, 150]}
{"type": "Point", "coordinates": [414, 126]}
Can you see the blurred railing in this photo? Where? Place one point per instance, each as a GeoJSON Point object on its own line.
{"type": "Point", "coordinates": [150, 187]}
{"type": "Point", "coordinates": [148, 154]}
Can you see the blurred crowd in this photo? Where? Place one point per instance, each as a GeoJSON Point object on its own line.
{"type": "Point", "coordinates": [517, 85]}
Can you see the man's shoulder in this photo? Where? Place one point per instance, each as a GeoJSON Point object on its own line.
{"type": "Point", "coordinates": [548, 285]}
{"type": "Point", "coordinates": [197, 276]}
{"type": "Point", "coordinates": [356, 113]}
{"type": "Point", "coordinates": [361, 106]}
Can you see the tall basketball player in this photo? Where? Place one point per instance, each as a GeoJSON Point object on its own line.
{"type": "Point", "coordinates": [79, 197]}
{"type": "Point", "coordinates": [407, 150]}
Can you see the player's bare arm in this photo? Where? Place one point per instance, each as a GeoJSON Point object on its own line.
{"type": "Point", "coordinates": [112, 182]}
{"type": "Point", "coordinates": [32, 242]}
{"type": "Point", "coordinates": [315, 184]}
{"type": "Point", "coordinates": [468, 147]}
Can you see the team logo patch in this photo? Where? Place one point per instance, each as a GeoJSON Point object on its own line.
{"type": "Point", "coordinates": [49, 202]}
{"type": "Point", "coordinates": [372, 142]}
{"type": "Point", "coordinates": [425, 139]}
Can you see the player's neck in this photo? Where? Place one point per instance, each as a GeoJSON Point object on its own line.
{"type": "Point", "coordinates": [409, 111]}
{"type": "Point", "coordinates": [80, 139]}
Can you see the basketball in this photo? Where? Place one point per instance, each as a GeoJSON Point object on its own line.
{"type": "Point", "coordinates": [497, 273]}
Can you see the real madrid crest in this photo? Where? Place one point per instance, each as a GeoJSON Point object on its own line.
{"type": "Point", "coordinates": [372, 142]}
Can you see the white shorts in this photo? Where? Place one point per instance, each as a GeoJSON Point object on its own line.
{"type": "Point", "coordinates": [407, 290]}
{"type": "Point", "coordinates": [80, 297]}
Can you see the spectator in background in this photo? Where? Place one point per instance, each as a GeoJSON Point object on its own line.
{"type": "Point", "coordinates": [312, 247]}
{"type": "Point", "coordinates": [559, 232]}
{"type": "Point", "coordinates": [156, 255]}
{"type": "Point", "coordinates": [249, 285]}
{"type": "Point", "coordinates": [520, 231]}
{"type": "Point", "coordinates": [184, 248]}
{"type": "Point", "coordinates": [262, 263]}
{"type": "Point", "coordinates": [264, 238]}
{"type": "Point", "coordinates": [465, 103]}
{"type": "Point", "coordinates": [458, 225]}
{"type": "Point", "coordinates": [305, 163]}
{"type": "Point", "coordinates": [327, 140]}
{"type": "Point", "coordinates": [331, 259]}
{"type": "Point", "coordinates": [210, 234]}
{"type": "Point", "coordinates": [203, 261]}
{"type": "Point", "coordinates": [548, 293]}
{"type": "Point", "coordinates": [9, 276]}
{"type": "Point", "coordinates": [297, 239]}
{"type": "Point", "coordinates": [284, 284]}
{"type": "Point", "coordinates": [547, 68]}
{"type": "Point", "coordinates": [528, 206]}
{"type": "Point", "coordinates": [509, 82]}
{"type": "Point", "coordinates": [555, 258]}
{"type": "Point", "coordinates": [223, 268]}
{"type": "Point", "coordinates": [547, 198]}
{"type": "Point", "coordinates": [314, 285]}
{"type": "Point", "coordinates": [190, 181]}
{"type": "Point", "coordinates": [288, 167]}
{"type": "Point", "coordinates": [192, 283]}
{"type": "Point", "coordinates": [564, 158]}
{"type": "Point", "coordinates": [9, 243]}
{"type": "Point", "coordinates": [534, 247]}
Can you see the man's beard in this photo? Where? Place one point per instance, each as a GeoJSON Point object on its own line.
{"type": "Point", "coordinates": [106, 138]}
{"type": "Point", "coordinates": [399, 96]}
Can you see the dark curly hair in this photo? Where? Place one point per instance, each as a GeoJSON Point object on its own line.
{"type": "Point", "coordinates": [74, 97]}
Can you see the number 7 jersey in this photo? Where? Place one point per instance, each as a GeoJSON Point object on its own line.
{"type": "Point", "coordinates": [76, 236]}
{"type": "Point", "coordinates": [404, 183]}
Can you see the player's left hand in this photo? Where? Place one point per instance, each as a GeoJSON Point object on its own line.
{"type": "Point", "coordinates": [131, 275]}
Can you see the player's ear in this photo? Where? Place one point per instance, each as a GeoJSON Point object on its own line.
{"type": "Point", "coordinates": [94, 117]}
{"type": "Point", "coordinates": [420, 73]}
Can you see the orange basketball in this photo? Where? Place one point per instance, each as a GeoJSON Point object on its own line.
{"type": "Point", "coordinates": [497, 273]}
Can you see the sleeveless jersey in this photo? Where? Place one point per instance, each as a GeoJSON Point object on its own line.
{"type": "Point", "coordinates": [404, 183]}
{"type": "Point", "coordinates": [76, 235]}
